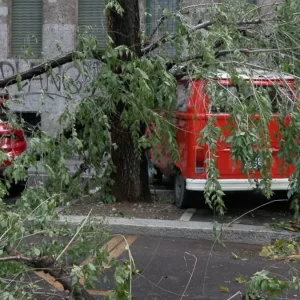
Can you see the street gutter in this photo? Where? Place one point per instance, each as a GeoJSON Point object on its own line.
{"type": "Point", "coordinates": [237, 233]}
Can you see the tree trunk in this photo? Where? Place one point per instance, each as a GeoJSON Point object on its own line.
{"type": "Point", "coordinates": [131, 176]}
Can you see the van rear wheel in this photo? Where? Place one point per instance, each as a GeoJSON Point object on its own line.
{"type": "Point", "coordinates": [182, 195]}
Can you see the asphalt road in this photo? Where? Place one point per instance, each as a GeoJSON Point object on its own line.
{"type": "Point", "coordinates": [177, 269]}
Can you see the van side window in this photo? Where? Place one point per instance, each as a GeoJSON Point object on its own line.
{"type": "Point", "coordinates": [222, 98]}
{"type": "Point", "coordinates": [280, 97]}
{"type": "Point", "coordinates": [182, 94]}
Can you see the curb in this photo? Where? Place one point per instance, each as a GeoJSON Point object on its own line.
{"type": "Point", "coordinates": [237, 233]}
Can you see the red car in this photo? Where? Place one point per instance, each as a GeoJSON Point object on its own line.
{"type": "Point", "coordinates": [12, 140]}
{"type": "Point", "coordinates": [194, 107]}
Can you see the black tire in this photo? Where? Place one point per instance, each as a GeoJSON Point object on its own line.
{"type": "Point", "coordinates": [181, 194]}
{"type": "Point", "coordinates": [17, 188]}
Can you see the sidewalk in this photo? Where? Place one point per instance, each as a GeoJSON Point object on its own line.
{"type": "Point", "coordinates": [186, 226]}
{"type": "Point", "coordinates": [237, 233]}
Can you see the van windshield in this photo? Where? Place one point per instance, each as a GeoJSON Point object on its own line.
{"type": "Point", "coordinates": [223, 98]}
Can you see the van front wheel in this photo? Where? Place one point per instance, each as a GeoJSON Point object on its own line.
{"type": "Point", "coordinates": [182, 195]}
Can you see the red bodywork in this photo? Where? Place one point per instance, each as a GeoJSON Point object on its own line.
{"type": "Point", "coordinates": [12, 141]}
{"type": "Point", "coordinates": [192, 121]}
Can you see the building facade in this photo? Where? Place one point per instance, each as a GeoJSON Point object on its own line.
{"type": "Point", "coordinates": [32, 31]}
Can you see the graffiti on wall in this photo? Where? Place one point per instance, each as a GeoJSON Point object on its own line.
{"type": "Point", "coordinates": [55, 82]}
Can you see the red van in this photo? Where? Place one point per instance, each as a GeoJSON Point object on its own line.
{"type": "Point", "coordinates": [194, 107]}
{"type": "Point", "coordinates": [12, 140]}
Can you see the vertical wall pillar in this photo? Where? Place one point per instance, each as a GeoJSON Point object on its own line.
{"type": "Point", "coordinates": [4, 35]}
{"type": "Point", "coordinates": [60, 25]}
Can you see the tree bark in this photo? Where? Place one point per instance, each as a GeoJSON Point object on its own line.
{"type": "Point", "coordinates": [131, 176]}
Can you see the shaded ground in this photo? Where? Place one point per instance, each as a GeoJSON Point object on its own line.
{"type": "Point", "coordinates": [160, 208]}
{"type": "Point", "coordinates": [257, 209]}
{"type": "Point", "coordinates": [270, 211]}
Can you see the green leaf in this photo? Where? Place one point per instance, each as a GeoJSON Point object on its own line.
{"type": "Point", "coordinates": [91, 267]}
{"type": "Point", "coordinates": [37, 251]}
{"type": "Point", "coordinates": [224, 289]}
{"type": "Point", "coordinates": [240, 280]}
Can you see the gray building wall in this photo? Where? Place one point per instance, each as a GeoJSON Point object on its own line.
{"type": "Point", "coordinates": [59, 28]}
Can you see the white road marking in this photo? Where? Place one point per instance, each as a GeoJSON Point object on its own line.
{"type": "Point", "coordinates": [187, 215]}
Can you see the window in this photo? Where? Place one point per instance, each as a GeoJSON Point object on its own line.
{"type": "Point", "coordinates": [155, 10]}
{"type": "Point", "coordinates": [92, 19]}
{"type": "Point", "coordinates": [252, 1]}
{"type": "Point", "coordinates": [27, 27]}
{"type": "Point", "coordinates": [182, 96]}
{"type": "Point", "coordinates": [223, 98]}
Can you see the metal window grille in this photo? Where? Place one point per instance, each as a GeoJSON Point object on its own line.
{"type": "Point", "coordinates": [27, 27]}
{"type": "Point", "coordinates": [155, 10]}
{"type": "Point", "coordinates": [92, 19]}
{"type": "Point", "coordinates": [252, 2]}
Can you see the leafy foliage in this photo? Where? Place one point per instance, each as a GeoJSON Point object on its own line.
{"type": "Point", "coordinates": [142, 91]}
{"type": "Point", "coordinates": [261, 286]}
{"type": "Point", "coordinates": [281, 249]}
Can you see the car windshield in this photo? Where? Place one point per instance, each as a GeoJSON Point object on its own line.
{"type": "Point", "coordinates": [223, 97]}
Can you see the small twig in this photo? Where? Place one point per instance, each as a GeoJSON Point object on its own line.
{"type": "Point", "coordinates": [203, 25]}
{"type": "Point", "coordinates": [41, 204]}
{"type": "Point", "coordinates": [265, 204]}
{"type": "Point", "coordinates": [4, 234]}
{"type": "Point", "coordinates": [252, 51]}
{"type": "Point", "coordinates": [236, 294]}
{"type": "Point", "coordinates": [290, 257]}
{"type": "Point", "coordinates": [73, 238]}
{"type": "Point", "coordinates": [198, 5]}
{"type": "Point", "coordinates": [160, 21]}
{"type": "Point", "coordinates": [164, 208]}
{"type": "Point", "coordinates": [17, 258]}
{"type": "Point", "coordinates": [195, 264]}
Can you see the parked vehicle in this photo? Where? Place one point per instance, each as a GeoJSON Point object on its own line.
{"type": "Point", "coordinates": [194, 107]}
{"type": "Point", "coordinates": [12, 140]}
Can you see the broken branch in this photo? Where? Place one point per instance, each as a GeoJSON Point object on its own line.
{"type": "Point", "coordinates": [61, 273]}
{"type": "Point", "coordinates": [203, 25]}
{"type": "Point", "coordinates": [38, 70]}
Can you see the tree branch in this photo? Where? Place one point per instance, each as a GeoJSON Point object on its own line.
{"type": "Point", "coordinates": [224, 52]}
{"type": "Point", "coordinates": [203, 25]}
{"type": "Point", "coordinates": [220, 53]}
{"type": "Point", "coordinates": [49, 265]}
{"type": "Point", "coordinates": [160, 21]}
{"type": "Point", "coordinates": [38, 70]}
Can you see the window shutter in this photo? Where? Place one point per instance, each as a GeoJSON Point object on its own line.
{"type": "Point", "coordinates": [252, 2]}
{"type": "Point", "coordinates": [91, 14]}
{"type": "Point", "coordinates": [155, 9]}
{"type": "Point", "coordinates": [26, 26]}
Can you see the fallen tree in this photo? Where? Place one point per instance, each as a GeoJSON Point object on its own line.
{"type": "Point", "coordinates": [135, 84]}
